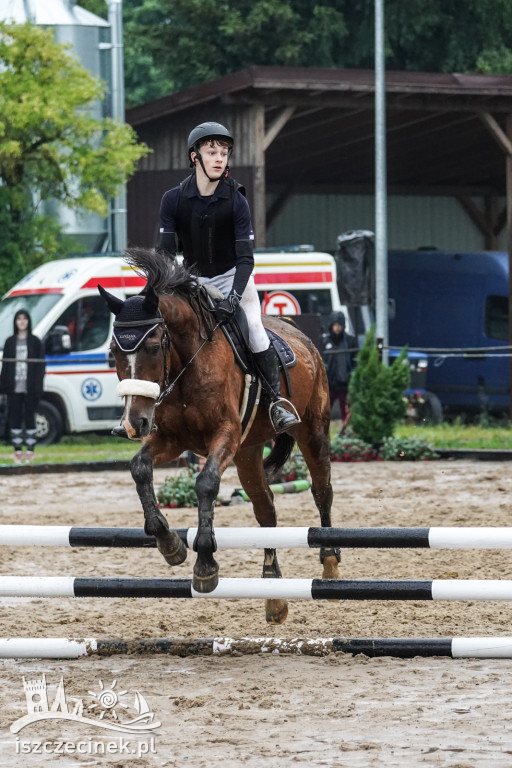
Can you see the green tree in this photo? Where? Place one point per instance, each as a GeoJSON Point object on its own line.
{"type": "Point", "coordinates": [51, 147]}
{"type": "Point", "coordinates": [376, 393]}
{"type": "Point", "coordinates": [171, 44]}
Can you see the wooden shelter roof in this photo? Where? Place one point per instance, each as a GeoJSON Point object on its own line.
{"type": "Point", "coordinates": [446, 133]}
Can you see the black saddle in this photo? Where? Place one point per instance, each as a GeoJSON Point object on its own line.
{"type": "Point", "coordinates": [236, 332]}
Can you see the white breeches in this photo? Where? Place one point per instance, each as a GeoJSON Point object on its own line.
{"type": "Point", "coordinates": [250, 303]}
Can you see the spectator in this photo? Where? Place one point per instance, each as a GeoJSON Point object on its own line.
{"type": "Point", "coordinates": [21, 379]}
{"type": "Point", "coordinates": [340, 351]}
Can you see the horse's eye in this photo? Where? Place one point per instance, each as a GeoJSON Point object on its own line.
{"type": "Point", "coordinates": [153, 349]}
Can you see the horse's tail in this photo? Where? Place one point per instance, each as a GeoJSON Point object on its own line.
{"type": "Point", "coordinates": [279, 454]}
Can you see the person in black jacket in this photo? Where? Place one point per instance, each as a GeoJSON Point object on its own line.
{"type": "Point", "coordinates": [209, 215]}
{"type": "Point", "coordinates": [21, 379]}
{"type": "Point", "coordinates": [340, 351]}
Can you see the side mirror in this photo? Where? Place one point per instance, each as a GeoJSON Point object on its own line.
{"type": "Point", "coordinates": [58, 341]}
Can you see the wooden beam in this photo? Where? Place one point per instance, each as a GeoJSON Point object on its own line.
{"type": "Point", "coordinates": [259, 192]}
{"type": "Point", "coordinates": [477, 216]}
{"type": "Point", "coordinates": [474, 212]}
{"type": "Point", "coordinates": [501, 220]}
{"type": "Point", "coordinates": [277, 125]}
{"type": "Point", "coordinates": [496, 132]}
{"type": "Point", "coordinates": [491, 215]}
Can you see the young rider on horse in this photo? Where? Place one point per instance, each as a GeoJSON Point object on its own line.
{"type": "Point", "coordinates": [210, 216]}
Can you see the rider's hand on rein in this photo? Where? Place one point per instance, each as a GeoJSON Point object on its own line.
{"type": "Point", "coordinates": [226, 308]}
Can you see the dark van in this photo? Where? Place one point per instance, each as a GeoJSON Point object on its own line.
{"type": "Point", "coordinates": [454, 301]}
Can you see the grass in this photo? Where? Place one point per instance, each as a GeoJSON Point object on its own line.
{"type": "Point", "coordinates": [86, 447]}
{"type": "Point", "coordinates": [453, 435]}
{"type": "Point", "coordinates": [457, 435]}
{"type": "Point", "coordinates": [93, 447]}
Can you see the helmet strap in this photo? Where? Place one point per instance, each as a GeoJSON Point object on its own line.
{"type": "Point", "coordinates": [225, 173]}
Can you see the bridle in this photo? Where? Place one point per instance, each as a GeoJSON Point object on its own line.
{"type": "Point", "coordinates": [199, 305]}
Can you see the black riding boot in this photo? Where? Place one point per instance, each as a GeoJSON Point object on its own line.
{"type": "Point", "coordinates": [267, 363]}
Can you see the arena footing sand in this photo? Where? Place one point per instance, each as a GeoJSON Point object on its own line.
{"type": "Point", "coordinates": [337, 710]}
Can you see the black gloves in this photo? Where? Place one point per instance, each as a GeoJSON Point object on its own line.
{"type": "Point", "coordinates": [225, 309]}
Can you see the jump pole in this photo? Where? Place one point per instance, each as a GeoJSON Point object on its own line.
{"type": "Point", "coordinates": [405, 648]}
{"type": "Point", "coordinates": [247, 588]}
{"type": "Point", "coordinates": [245, 538]}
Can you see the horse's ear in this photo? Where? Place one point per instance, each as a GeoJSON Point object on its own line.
{"type": "Point", "coordinates": [114, 303]}
{"type": "Point", "coordinates": [150, 303]}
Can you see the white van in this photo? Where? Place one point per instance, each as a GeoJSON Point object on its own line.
{"type": "Point", "coordinates": [71, 317]}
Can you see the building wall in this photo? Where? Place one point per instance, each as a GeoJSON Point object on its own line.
{"type": "Point", "coordinates": [413, 221]}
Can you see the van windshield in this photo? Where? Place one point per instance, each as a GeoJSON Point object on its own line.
{"type": "Point", "coordinates": [37, 305]}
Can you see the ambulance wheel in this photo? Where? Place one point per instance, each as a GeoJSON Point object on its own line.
{"type": "Point", "coordinates": [48, 423]}
{"type": "Point", "coordinates": [431, 410]}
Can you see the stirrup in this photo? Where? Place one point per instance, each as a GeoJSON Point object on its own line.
{"type": "Point", "coordinates": [284, 419]}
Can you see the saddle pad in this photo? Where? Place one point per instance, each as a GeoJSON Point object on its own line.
{"type": "Point", "coordinates": [233, 334]}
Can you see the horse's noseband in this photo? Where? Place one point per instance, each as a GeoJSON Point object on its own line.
{"type": "Point", "coordinates": [129, 336]}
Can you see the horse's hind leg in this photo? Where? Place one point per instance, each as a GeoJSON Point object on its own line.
{"type": "Point", "coordinates": [315, 448]}
{"type": "Point", "coordinates": [155, 524]}
{"type": "Point", "coordinates": [249, 463]}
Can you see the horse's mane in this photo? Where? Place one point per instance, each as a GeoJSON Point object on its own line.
{"type": "Point", "coordinates": [163, 275]}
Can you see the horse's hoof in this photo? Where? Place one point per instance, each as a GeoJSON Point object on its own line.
{"type": "Point", "coordinates": [276, 611]}
{"type": "Point", "coordinates": [330, 570]}
{"type": "Point", "coordinates": [205, 584]}
{"type": "Point", "coordinates": [172, 548]}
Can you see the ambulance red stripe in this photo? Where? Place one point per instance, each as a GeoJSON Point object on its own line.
{"type": "Point", "coordinates": [34, 291]}
{"type": "Point", "coordinates": [281, 278]}
{"type": "Point", "coordinates": [116, 282]}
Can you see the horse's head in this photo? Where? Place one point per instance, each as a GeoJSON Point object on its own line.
{"type": "Point", "coordinates": [140, 346]}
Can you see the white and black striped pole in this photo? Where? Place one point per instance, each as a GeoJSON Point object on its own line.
{"type": "Point", "coordinates": [285, 537]}
{"type": "Point", "coordinates": [249, 588]}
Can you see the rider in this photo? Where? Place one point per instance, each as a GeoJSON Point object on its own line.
{"type": "Point", "coordinates": [209, 214]}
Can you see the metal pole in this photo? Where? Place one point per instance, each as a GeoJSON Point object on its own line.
{"type": "Point", "coordinates": [381, 245]}
{"type": "Point", "coordinates": [509, 249]}
{"type": "Point", "coordinates": [118, 208]}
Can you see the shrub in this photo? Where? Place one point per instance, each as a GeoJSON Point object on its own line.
{"type": "Point", "coordinates": [406, 449]}
{"type": "Point", "coordinates": [179, 491]}
{"type": "Point", "coordinates": [294, 469]}
{"type": "Point", "coordinates": [376, 393]}
{"type": "Point", "coordinates": [350, 448]}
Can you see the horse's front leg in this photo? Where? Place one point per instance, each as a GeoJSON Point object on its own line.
{"type": "Point", "coordinates": [206, 568]}
{"type": "Point", "coordinates": [155, 524]}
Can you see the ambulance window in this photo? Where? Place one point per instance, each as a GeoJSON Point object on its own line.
{"type": "Point", "coordinates": [496, 317]}
{"type": "Point", "coordinates": [93, 323]}
{"type": "Point", "coordinates": [88, 323]}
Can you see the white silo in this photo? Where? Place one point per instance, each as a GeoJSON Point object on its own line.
{"type": "Point", "coordinates": [88, 35]}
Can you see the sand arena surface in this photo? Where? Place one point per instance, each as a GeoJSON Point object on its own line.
{"type": "Point", "coordinates": [259, 710]}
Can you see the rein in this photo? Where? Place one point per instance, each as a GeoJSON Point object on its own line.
{"type": "Point", "coordinates": [201, 311]}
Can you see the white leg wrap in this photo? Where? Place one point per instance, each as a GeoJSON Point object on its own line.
{"type": "Point", "coordinates": [138, 387]}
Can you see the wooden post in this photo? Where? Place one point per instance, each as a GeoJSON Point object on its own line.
{"type": "Point", "coordinates": [259, 209]}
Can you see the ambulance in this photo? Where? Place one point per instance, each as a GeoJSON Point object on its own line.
{"type": "Point", "coordinates": [73, 320]}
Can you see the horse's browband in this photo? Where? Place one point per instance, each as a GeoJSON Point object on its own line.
{"type": "Point", "coordinates": [134, 323]}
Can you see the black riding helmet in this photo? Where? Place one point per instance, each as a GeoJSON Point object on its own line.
{"type": "Point", "coordinates": [206, 131]}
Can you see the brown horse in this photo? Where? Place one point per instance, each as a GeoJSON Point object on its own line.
{"type": "Point", "coordinates": [183, 391]}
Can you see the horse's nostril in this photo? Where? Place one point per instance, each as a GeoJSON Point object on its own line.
{"type": "Point", "coordinates": [144, 426]}
{"type": "Point", "coordinates": [120, 431]}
